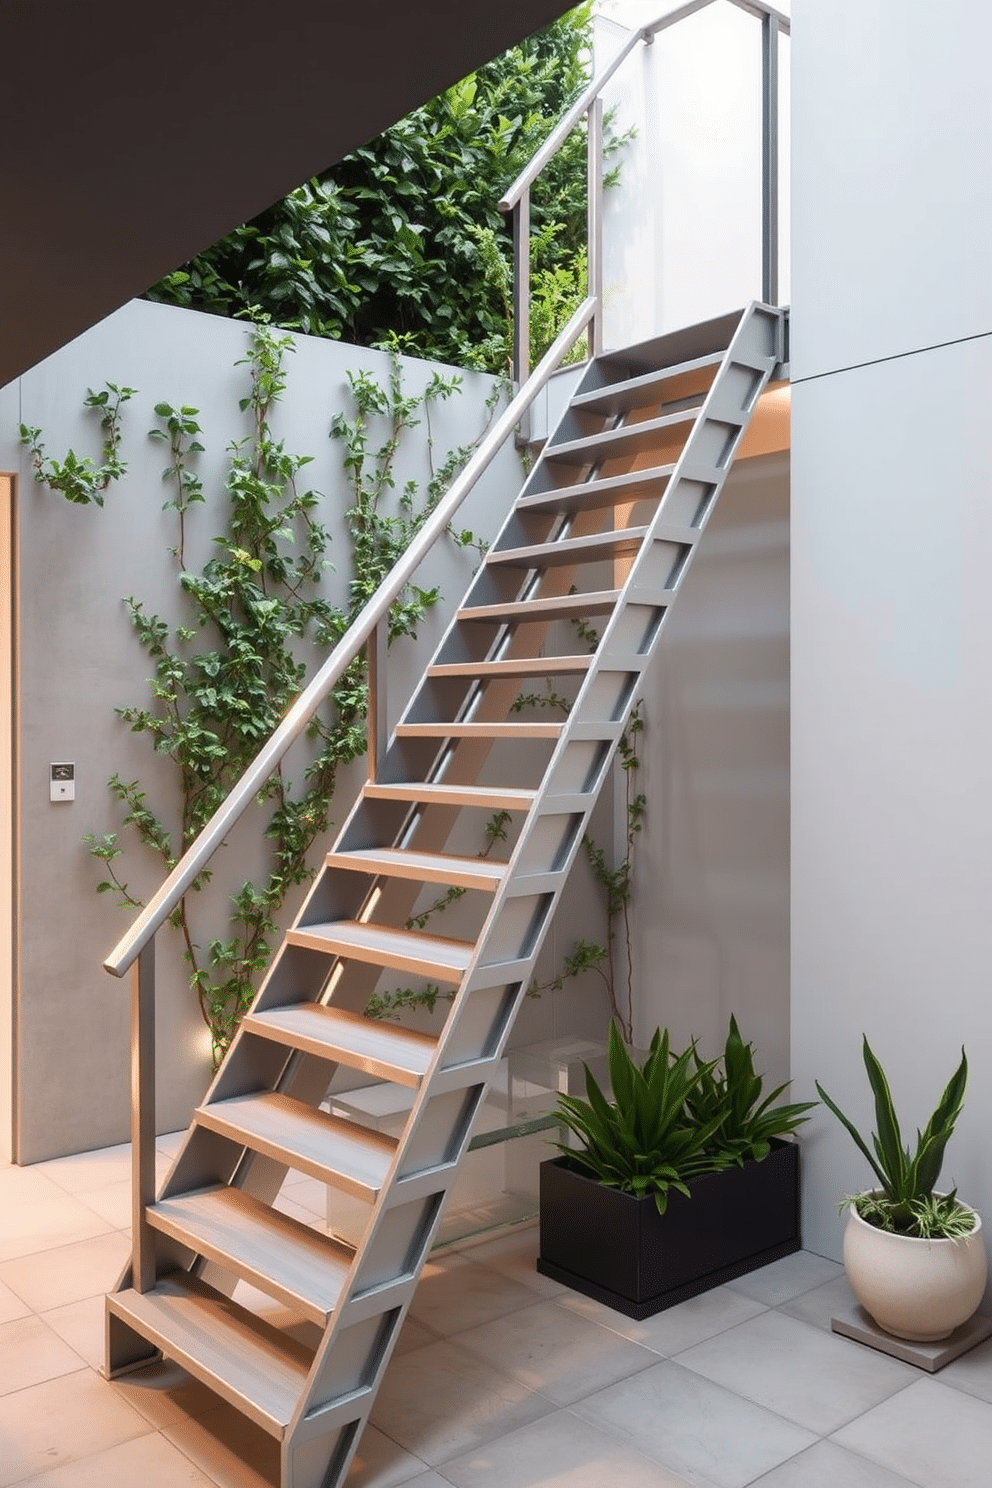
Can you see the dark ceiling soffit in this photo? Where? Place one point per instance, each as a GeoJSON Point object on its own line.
{"type": "Point", "coordinates": [136, 135]}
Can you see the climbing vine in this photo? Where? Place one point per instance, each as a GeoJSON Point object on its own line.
{"type": "Point", "coordinates": [224, 678]}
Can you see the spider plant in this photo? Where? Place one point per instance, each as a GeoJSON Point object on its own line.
{"type": "Point", "coordinates": [904, 1201]}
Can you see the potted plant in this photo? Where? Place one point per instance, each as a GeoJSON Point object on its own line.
{"type": "Point", "coordinates": [915, 1257]}
{"type": "Point", "coordinates": [680, 1182]}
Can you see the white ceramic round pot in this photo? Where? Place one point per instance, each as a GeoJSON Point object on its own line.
{"type": "Point", "coordinates": [917, 1289]}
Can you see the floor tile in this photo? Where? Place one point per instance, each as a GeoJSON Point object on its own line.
{"type": "Point", "coordinates": [309, 1194]}
{"type": "Point", "coordinates": [821, 1304]}
{"type": "Point", "coordinates": [786, 1278]}
{"type": "Point", "coordinates": [68, 1273]}
{"type": "Point", "coordinates": [453, 1295]}
{"type": "Point", "coordinates": [816, 1379]}
{"type": "Point", "coordinates": [694, 1427]}
{"type": "Point", "coordinates": [440, 1401]}
{"type": "Point", "coordinates": [229, 1449]}
{"type": "Point", "coordinates": [112, 1201]}
{"type": "Point", "coordinates": [515, 1255]}
{"type": "Point", "coordinates": [935, 1436]}
{"type": "Point", "coordinates": [413, 1335]}
{"type": "Point", "coordinates": [60, 1421]}
{"type": "Point", "coordinates": [828, 1466]}
{"type": "Point", "coordinates": [560, 1449]}
{"type": "Point", "coordinates": [972, 1373]}
{"type": "Point", "coordinates": [11, 1305]}
{"type": "Point", "coordinates": [381, 1463]}
{"type": "Point", "coordinates": [82, 1325]}
{"type": "Point", "coordinates": [164, 1394]}
{"type": "Point", "coordinates": [87, 1170]}
{"type": "Point", "coordinates": [31, 1353]}
{"type": "Point", "coordinates": [678, 1327]}
{"type": "Point", "coordinates": [148, 1460]}
{"type": "Point", "coordinates": [35, 1214]}
{"type": "Point", "coordinates": [550, 1349]}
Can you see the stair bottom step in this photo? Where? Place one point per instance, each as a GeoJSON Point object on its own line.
{"type": "Point", "coordinates": [259, 1370]}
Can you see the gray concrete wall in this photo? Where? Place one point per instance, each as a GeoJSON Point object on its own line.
{"type": "Point", "coordinates": [891, 599]}
{"type": "Point", "coordinates": [79, 659]}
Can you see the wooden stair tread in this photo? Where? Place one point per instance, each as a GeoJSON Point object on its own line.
{"type": "Point", "coordinates": [628, 439]}
{"type": "Point", "coordinates": [635, 485]}
{"type": "Point", "coordinates": [554, 607]}
{"type": "Point", "coordinates": [335, 1151]}
{"type": "Point", "coordinates": [246, 1361]}
{"type": "Point", "coordinates": [276, 1253]}
{"type": "Point", "coordinates": [406, 950]}
{"type": "Point", "coordinates": [521, 666]}
{"type": "Point", "coordinates": [441, 868]}
{"type": "Point", "coordinates": [486, 797]}
{"type": "Point", "coordinates": [622, 543]}
{"type": "Point", "coordinates": [376, 1048]}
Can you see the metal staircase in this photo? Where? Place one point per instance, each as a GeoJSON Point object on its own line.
{"type": "Point", "coordinates": [603, 532]}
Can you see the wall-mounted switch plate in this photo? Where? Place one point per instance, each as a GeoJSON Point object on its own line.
{"type": "Point", "coordinates": [62, 782]}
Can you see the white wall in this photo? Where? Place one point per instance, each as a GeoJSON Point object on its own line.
{"type": "Point", "coordinates": [7, 827]}
{"type": "Point", "coordinates": [79, 659]}
{"type": "Point", "coordinates": [682, 233]}
{"type": "Point", "coordinates": [891, 599]}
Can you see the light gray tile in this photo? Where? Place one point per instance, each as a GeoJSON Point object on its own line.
{"type": "Point", "coordinates": [413, 1335]}
{"type": "Point", "coordinates": [676, 1328]}
{"type": "Point", "coordinates": [39, 1215]}
{"type": "Point", "coordinates": [816, 1379]}
{"type": "Point", "coordinates": [112, 1201]}
{"type": "Point", "coordinates": [440, 1401]}
{"type": "Point", "coordinates": [821, 1304]}
{"type": "Point", "coordinates": [230, 1450]}
{"type": "Point", "coordinates": [555, 1351]}
{"type": "Point", "coordinates": [31, 1353]}
{"type": "Point", "coordinates": [561, 1450]}
{"type": "Point", "coordinates": [88, 1170]}
{"type": "Point", "coordinates": [68, 1273]}
{"type": "Point", "coordinates": [694, 1427]}
{"type": "Point", "coordinates": [59, 1421]}
{"type": "Point", "coordinates": [428, 1479]}
{"type": "Point", "coordinates": [453, 1294]}
{"type": "Point", "coordinates": [785, 1279]}
{"type": "Point", "coordinates": [933, 1435]}
{"type": "Point", "coordinates": [515, 1255]}
{"type": "Point", "coordinates": [381, 1463]}
{"type": "Point", "coordinates": [828, 1466]}
{"type": "Point", "coordinates": [972, 1372]}
{"type": "Point", "coordinates": [148, 1460]}
{"type": "Point", "coordinates": [165, 1394]}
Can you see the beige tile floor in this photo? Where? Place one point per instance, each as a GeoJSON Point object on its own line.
{"type": "Point", "coordinates": [502, 1379]}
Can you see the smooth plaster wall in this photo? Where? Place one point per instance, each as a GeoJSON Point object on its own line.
{"type": "Point", "coordinates": [682, 231]}
{"type": "Point", "coordinates": [79, 659]}
{"type": "Point", "coordinates": [7, 827]}
{"type": "Point", "coordinates": [711, 887]}
{"type": "Point", "coordinates": [891, 599]}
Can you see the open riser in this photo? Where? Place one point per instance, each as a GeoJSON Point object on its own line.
{"type": "Point", "coordinates": [573, 596]}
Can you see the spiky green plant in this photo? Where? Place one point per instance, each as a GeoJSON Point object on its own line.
{"type": "Point", "coordinates": [731, 1096]}
{"type": "Point", "coordinates": [641, 1142]}
{"type": "Point", "coordinates": [904, 1200]}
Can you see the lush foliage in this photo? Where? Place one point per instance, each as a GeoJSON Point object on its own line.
{"type": "Point", "coordinates": [401, 243]}
{"type": "Point", "coordinates": [224, 678]}
{"type": "Point", "coordinates": [733, 1092]}
{"type": "Point", "coordinates": [76, 477]}
{"type": "Point", "coordinates": [905, 1201]}
{"type": "Point", "coordinates": [674, 1117]}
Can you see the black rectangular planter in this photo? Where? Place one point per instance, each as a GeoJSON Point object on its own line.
{"type": "Point", "coordinates": [618, 1249]}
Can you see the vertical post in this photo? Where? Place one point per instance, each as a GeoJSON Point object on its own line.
{"type": "Point", "coordinates": [769, 159]}
{"type": "Point", "coordinates": [594, 221]}
{"type": "Point", "coordinates": [143, 1117]}
{"type": "Point", "coordinates": [521, 289]}
{"type": "Point", "coordinates": [378, 726]}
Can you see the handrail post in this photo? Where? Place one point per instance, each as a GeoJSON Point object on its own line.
{"type": "Point", "coordinates": [377, 719]}
{"type": "Point", "coordinates": [143, 1117]}
{"type": "Point", "coordinates": [769, 159]}
{"type": "Point", "coordinates": [521, 290]}
{"type": "Point", "coordinates": [594, 221]}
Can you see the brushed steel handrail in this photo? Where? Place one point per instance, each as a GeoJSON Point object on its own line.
{"type": "Point", "coordinates": [193, 861]}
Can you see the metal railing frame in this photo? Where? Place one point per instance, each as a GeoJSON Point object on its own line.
{"type": "Point", "coordinates": [135, 951]}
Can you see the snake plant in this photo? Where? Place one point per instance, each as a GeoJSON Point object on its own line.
{"type": "Point", "coordinates": [904, 1201]}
